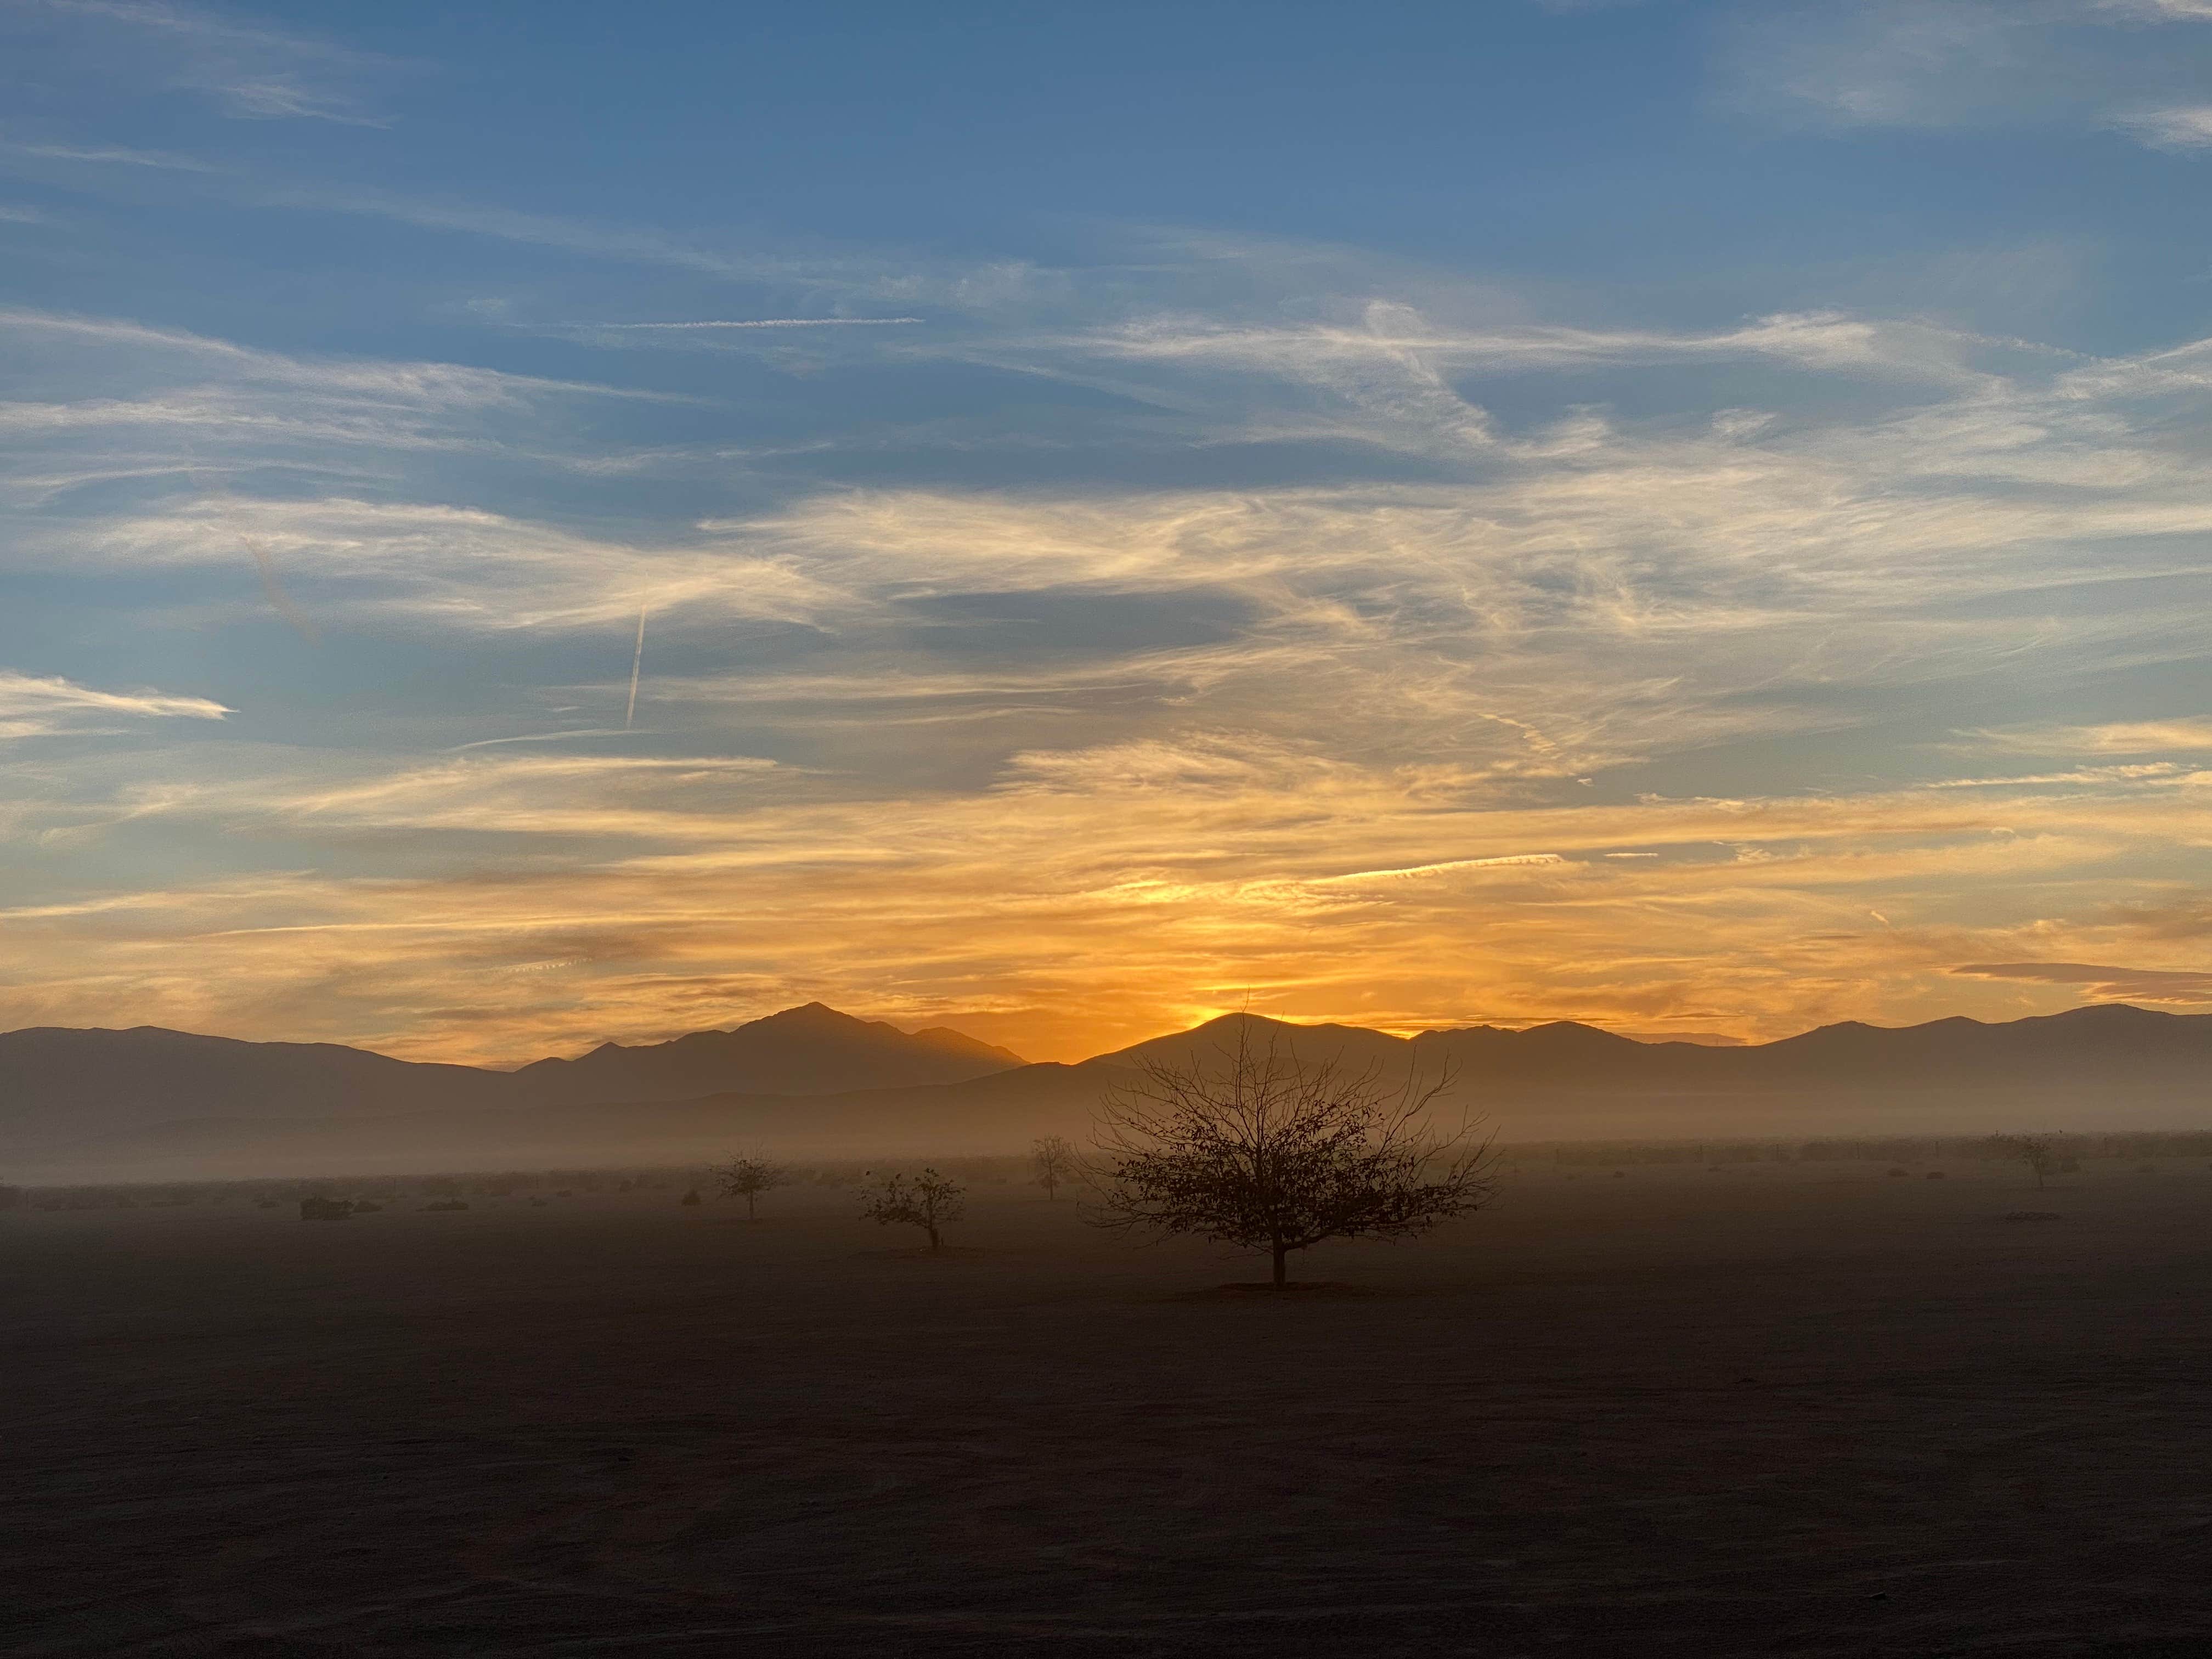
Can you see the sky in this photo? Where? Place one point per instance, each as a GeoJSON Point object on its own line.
{"type": "Point", "coordinates": [524, 525]}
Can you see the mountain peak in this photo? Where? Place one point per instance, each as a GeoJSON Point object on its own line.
{"type": "Point", "coordinates": [808, 1013]}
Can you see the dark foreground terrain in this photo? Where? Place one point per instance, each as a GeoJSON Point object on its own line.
{"type": "Point", "coordinates": [1761, 1412]}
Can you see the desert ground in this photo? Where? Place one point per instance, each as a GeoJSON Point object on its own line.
{"type": "Point", "coordinates": [1782, 1409]}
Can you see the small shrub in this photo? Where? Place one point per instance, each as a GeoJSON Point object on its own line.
{"type": "Point", "coordinates": [748, 1178]}
{"type": "Point", "coordinates": [927, 1200]}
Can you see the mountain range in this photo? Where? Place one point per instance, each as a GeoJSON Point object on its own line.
{"type": "Point", "coordinates": [812, 1078]}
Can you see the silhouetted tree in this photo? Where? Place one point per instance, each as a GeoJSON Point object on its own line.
{"type": "Point", "coordinates": [1277, 1155]}
{"type": "Point", "coordinates": [748, 1178]}
{"type": "Point", "coordinates": [1053, 1160]}
{"type": "Point", "coordinates": [927, 1200]}
{"type": "Point", "coordinates": [2039, 1152]}
{"type": "Point", "coordinates": [689, 1200]}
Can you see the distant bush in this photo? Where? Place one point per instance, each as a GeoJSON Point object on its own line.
{"type": "Point", "coordinates": [746, 1178]}
{"type": "Point", "coordinates": [312, 1208]}
{"type": "Point", "coordinates": [1053, 1161]}
{"type": "Point", "coordinates": [448, 1204]}
{"type": "Point", "coordinates": [2039, 1152]}
{"type": "Point", "coordinates": [11, 1198]}
{"type": "Point", "coordinates": [927, 1200]}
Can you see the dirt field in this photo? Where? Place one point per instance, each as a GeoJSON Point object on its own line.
{"type": "Point", "coordinates": [1767, 1410]}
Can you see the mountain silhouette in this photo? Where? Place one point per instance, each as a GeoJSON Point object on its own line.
{"type": "Point", "coordinates": [56, 1078]}
{"type": "Point", "coordinates": [808, 1050]}
{"type": "Point", "coordinates": [61, 1082]}
{"type": "Point", "coordinates": [812, 1081]}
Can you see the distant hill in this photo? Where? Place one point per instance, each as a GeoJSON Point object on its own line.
{"type": "Point", "coordinates": [59, 1084]}
{"type": "Point", "coordinates": [2113, 1046]}
{"type": "Point", "coordinates": [814, 1082]}
{"type": "Point", "coordinates": [1214, 1044]}
{"type": "Point", "coordinates": [811, 1050]}
{"type": "Point", "coordinates": [55, 1080]}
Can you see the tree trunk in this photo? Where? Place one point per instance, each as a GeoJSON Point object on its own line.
{"type": "Point", "coordinates": [749, 1206]}
{"type": "Point", "coordinates": [1279, 1276]}
{"type": "Point", "coordinates": [933, 1243]}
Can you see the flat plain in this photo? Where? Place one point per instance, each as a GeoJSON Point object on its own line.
{"type": "Point", "coordinates": [1773, 1409]}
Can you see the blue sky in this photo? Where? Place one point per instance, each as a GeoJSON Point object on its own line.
{"type": "Point", "coordinates": [1692, 517]}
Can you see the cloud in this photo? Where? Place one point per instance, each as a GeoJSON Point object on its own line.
{"type": "Point", "coordinates": [126, 401]}
{"type": "Point", "coordinates": [2187, 128]}
{"type": "Point", "coordinates": [2162, 737]}
{"type": "Point", "coordinates": [2107, 984]}
{"type": "Point", "coordinates": [116, 154]}
{"type": "Point", "coordinates": [941, 729]}
{"type": "Point", "coordinates": [765, 322]}
{"type": "Point", "coordinates": [1445, 867]}
{"type": "Point", "coordinates": [1134, 887]}
{"type": "Point", "coordinates": [1962, 63]}
{"type": "Point", "coordinates": [31, 706]}
{"type": "Point", "coordinates": [455, 568]}
{"type": "Point", "coordinates": [249, 71]}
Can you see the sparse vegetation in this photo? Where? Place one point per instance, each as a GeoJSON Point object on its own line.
{"type": "Point", "coordinates": [2039, 1152]}
{"type": "Point", "coordinates": [1277, 1155]}
{"type": "Point", "coordinates": [927, 1200]}
{"type": "Point", "coordinates": [748, 1178]}
{"type": "Point", "coordinates": [1052, 1159]}
{"type": "Point", "coordinates": [313, 1207]}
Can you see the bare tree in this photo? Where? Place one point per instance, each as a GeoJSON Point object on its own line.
{"type": "Point", "coordinates": [748, 1178]}
{"type": "Point", "coordinates": [1276, 1155]}
{"type": "Point", "coordinates": [927, 1200]}
{"type": "Point", "coordinates": [2039, 1152]}
{"type": "Point", "coordinates": [1054, 1161]}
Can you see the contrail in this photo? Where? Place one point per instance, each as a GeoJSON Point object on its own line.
{"type": "Point", "coordinates": [272, 590]}
{"type": "Point", "coordinates": [637, 661]}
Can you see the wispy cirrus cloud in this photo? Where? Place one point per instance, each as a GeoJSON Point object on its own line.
{"type": "Point", "coordinates": [2159, 737]}
{"type": "Point", "coordinates": [760, 322]}
{"type": "Point", "coordinates": [1450, 684]}
{"type": "Point", "coordinates": [1957, 63]}
{"type": "Point", "coordinates": [1124, 890]}
{"type": "Point", "coordinates": [47, 705]}
{"type": "Point", "coordinates": [115, 156]}
{"type": "Point", "coordinates": [2185, 986]}
{"type": "Point", "coordinates": [251, 70]}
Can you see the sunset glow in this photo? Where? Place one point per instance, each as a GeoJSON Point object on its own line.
{"type": "Point", "coordinates": [1407, 611]}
